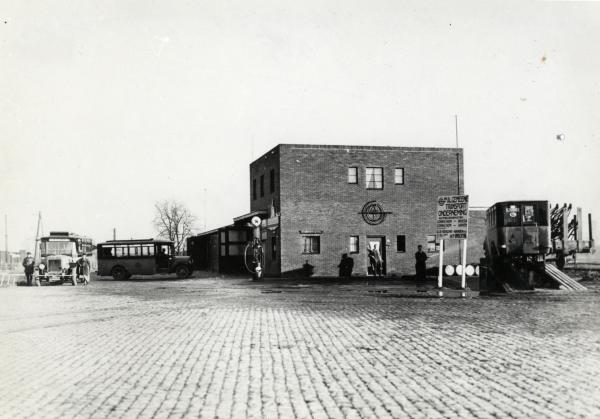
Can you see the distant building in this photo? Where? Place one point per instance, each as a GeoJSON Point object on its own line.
{"type": "Point", "coordinates": [318, 202]}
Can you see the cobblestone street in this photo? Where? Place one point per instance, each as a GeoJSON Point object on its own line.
{"type": "Point", "coordinates": [231, 348]}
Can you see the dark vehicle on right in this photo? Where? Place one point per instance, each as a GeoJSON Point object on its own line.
{"type": "Point", "coordinates": [517, 241]}
{"type": "Point", "coordinates": [122, 259]}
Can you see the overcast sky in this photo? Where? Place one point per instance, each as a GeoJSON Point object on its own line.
{"type": "Point", "coordinates": [109, 106]}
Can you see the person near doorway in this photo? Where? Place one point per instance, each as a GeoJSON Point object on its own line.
{"type": "Point", "coordinates": [420, 267]}
{"type": "Point", "coordinates": [28, 265]}
{"type": "Point", "coordinates": [371, 255]}
{"type": "Point", "coordinates": [346, 265]}
{"type": "Point", "coordinates": [378, 261]}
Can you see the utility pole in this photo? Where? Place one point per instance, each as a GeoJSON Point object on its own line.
{"type": "Point", "coordinates": [457, 156]}
{"type": "Point", "coordinates": [37, 237]}
{"type": "Point", "coordinates": [114, 234]}
{"type": "Point", "coordinates": [205, 216]}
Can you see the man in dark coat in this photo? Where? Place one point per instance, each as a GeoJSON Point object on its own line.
{"type": "Point", "coordinates": [346, 265]}
{"type": "Point", "coordinates": [28, 265]}
{"type": "Point", "coordinates": [420, 266]}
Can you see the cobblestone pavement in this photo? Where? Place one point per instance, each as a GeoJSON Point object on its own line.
{"type": "Point", "coordinates": [232, 348]}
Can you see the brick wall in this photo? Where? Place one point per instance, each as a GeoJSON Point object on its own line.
{"type": "Point", "coordinates": [263, 167]}
{"type": "Point", "coordinates": [315, 196]}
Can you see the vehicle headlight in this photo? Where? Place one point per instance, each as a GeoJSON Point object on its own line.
{"type": "Point", "coordinates": [42, 266]}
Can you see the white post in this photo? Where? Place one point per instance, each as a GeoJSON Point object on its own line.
{"type": "Point", "coordinates": [441, 268]}
{"type": "Point", "coordinates": [464, 265]}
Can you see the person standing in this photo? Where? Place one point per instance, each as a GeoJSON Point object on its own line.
{"type": "Point", "coordinates": [28, 265]}
{"type": "Point", "coordinates": [378, 261]}
{"type": "Point", "coordinates": [420, 266]}
{"type": "Point", "coordinates": [84, 268]}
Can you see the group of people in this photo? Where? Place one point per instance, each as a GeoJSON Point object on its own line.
{"type": "Point", "coordinates": [376, 264]}
{"type": "Point", "coordinates": [83, 267]}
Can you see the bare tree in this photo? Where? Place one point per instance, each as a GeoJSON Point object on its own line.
{"type": "Point", "coordinates": [174, 222]}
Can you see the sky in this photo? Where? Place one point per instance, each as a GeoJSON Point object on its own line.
{"type": "Point", "coordinates": [107, 107]}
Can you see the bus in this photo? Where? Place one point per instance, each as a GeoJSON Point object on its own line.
{"type": "Point", "coordinates": [122, 259]}
{"type": "Point", "coordinates": [59, 252]}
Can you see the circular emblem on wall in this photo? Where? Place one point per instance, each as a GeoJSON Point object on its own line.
{"type": "Point", "coordinates": [372, 212]}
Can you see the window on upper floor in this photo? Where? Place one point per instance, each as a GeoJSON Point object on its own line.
{"type": "Point", "coordinates": [272, 181]}
{"type": "Point", "coordinates": [253, 188]}
{"type": "Point", "coordinates": [353, 175]}
{"type": "Point", "coordinates": [262, 185]}
{"type": "Point", "coordinates": [399, 176]}
{"type": "Point", "coordinates": [374, 177]}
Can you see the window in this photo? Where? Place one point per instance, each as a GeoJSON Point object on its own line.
{"type": "Point", "coordinates": [135, 250]}
{"type": "Point", "coordinates": [121, 251]}
{"type": "Point", "coordinates": [262, 185]}
{"type": "Point", "coordinates": [353, 244]}
{"type": "Point", "coordinates": [399, 176]}
{"type": "Point", "coordinates": [374, 177]}
{"type": "Point", "coordinates": [401, 243]}
{"type": "Point", "coordinates": [235, 249]}
{"type": "Point", "coordinates": [273, 247]}
{"type": "Point", "coordinates": [512, 216]}
{"type": "Point", "coordinates": [272, 181]}
{"type": "Point", "coordinates": [106, 252]}
{"type": "Point", "coordinates": [165, 249]}
{"type": "Point", "coordinates": [237, 236]}
{"type": "Point", "coordinates": [312, 244]}
{"type": "Point", "coordinates": [148, 250]}
{"type": "Point", "coordinates": [353, 175]}
{"type": "Point", "coordinates": [253, 188]}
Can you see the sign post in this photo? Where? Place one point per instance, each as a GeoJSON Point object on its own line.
{"type": "Point", "coordinates": [441, 269]}
{"type": "Point", "coordinates": [452, 223]}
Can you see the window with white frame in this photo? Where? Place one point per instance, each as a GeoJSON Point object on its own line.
{"type": "Point", "coordinates": [399, 176]}
{"type": "Point", "coordinates": [353, 175]}
{"type": "Point", "coordinates": [353, 244]}
{"type": "Point", "coordinates": [374, 177]}
{"type": "Point", "coordinates": [312, 244]}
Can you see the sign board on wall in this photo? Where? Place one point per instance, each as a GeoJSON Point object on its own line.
{"type": "Point", "coordinates": [452, 217]}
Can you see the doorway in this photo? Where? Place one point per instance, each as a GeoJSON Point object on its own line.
{"type": "Point", "coordinates": [379, 242]}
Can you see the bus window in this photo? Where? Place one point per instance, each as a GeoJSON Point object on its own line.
{"type": "Point", "coordinates": [107, 252]}
{"type": "Point", "coordinates": [121, 251]}
{"type": "Point", "coordinates": [512, 216]}
{"type": "Point", "coordinates": [528, 215]}
{"type": "Point", "coordinates": [164, 249]}
{"type": "Point", "coordinates": [135, 250]}
{"type": "Point", "coordinates": [148, 250]}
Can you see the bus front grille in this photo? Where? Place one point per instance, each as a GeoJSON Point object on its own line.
{"type": "Point", "coordinates": [54, 266]}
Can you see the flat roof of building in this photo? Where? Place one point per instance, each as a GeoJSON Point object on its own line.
{"type": "Point", "coordinates": [406, 149]}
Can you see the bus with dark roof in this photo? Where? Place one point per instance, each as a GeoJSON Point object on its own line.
{"type": "Point", "coordinates": [122, 259]}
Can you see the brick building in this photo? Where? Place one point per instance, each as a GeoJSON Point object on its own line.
{"type": "Point", "coordinates": [318, 202]}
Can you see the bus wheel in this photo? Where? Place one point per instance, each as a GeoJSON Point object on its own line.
{"type": "Point", "coordinates": [182, 271]}
{"type": "Point", "coordinates": [119, 273]}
